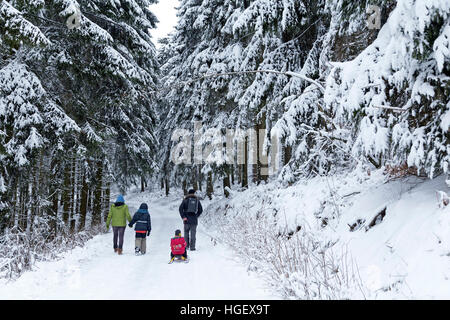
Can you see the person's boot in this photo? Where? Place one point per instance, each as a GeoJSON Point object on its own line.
{"type": "Point", "coordinates": [115, 250]}
{"type": "Point", "coordinates": [119, 251]}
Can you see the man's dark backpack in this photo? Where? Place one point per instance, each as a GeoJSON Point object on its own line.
{"type": "Point", "coordinates": [192, 205]}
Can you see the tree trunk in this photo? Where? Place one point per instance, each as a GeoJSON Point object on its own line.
{"type": "Point", "coordinates": [23, 207]}
{"type": "Point", "coordinates": [54, 209]}
{"type": "Point", "coordinates": [90, 204]}
{"type": "Point", "coordinates": [16, 208]}
{"type": "Point", "coordinates": [255, 156]}
{"type": "Point", "coordinates": [18, 205]}
{"type": "Point", "coordinates": [65, 199]}
{"type": "Point", "coordinates": [185, 191]}
{"type": "Point", "coordinates": [226, 181]}
{"type": "Point", "coordinates": [200, 177]}
{"type": "Point", "coordinates": [194, 178]}
{"type": "Point", "coordinates": [97, 201]}
{"type": "Point", "coordinates": [13, 210]}
{"type": "Point", "coordinates": [287, 154]}
{"type": "Point", "coordinates": [107, 200]}
{"type": "Point", "coordinates": [238, 173]}
{"type": "Point", "coordinates": [142, 184]}
{"type": "Point", "coordinates": [74, 194]}
{"type": "Point", "coordinates": [244, 174]}
{"type": "Point", "coordinates": [84, 203]}
{"type": "Point", "coordinates": [232, 174]}
{"type": "Point", "coordinates": [263, 167]}
{"type": "Point", "coordinates": [42, 180]}
{"type": "Point", "coordinates": [259, 166]}
{"type": "Point", "coordinates": [167, 186]}
{"type": "Point", "coordinates": [29, 206]}
{"type": "Point", "coordinates": [209, 185]}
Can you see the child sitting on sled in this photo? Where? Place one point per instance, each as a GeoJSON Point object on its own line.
{"type": "Point", "coordinates": [178, 246]}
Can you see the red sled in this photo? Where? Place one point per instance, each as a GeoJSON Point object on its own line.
{"type": "Point", "coordinates": [179, 258]}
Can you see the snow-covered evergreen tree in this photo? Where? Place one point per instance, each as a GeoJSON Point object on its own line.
{"type": "Point", "coordinates": [356, 120]}
{"type": "Point", "coordinates": [76, 105]}
{"type": "Point", "coordinates": [240, 36]}
{"type": "Point", "coordinates": [394, 94]}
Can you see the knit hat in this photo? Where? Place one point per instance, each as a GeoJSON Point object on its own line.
{"type": "Point", "coordinates": [178, 232]}
{"type": "Point", "coordinates": [143, 206]}
{"type": "Point", "coordinates": [120, 199]}
{"type": "Point", "coordinates": [191, 191]}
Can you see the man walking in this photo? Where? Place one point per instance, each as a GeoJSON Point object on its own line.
{"type": "Point", "coordinates": [190, 209]}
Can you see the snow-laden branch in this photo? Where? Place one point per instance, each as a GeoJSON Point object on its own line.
{"type": "Point", "coordinates": [285, 73]}
{"type": "Point", "coordinates": [233, 73]}
{"type": "Point", "coordinates": [396, 109]}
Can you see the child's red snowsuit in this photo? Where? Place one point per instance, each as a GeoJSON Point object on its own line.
{"type": "Point", "coordinates": [178, 245]}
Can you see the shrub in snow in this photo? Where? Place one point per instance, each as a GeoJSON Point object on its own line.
{"type": "Point", "coordinates": [20, 250]}
{"type": "Point", "coordinates": [296, 263]}
{"type": "Point", "coordinates": [443, 199]}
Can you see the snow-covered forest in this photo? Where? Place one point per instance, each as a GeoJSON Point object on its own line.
{"type": "Point", "coordinates": [320, 130]}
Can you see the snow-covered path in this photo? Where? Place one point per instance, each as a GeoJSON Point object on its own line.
{"type": "Point", "coordinates": [96, 272]}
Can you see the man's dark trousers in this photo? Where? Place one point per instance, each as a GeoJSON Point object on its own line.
{"type": "Point", "coordinates": [190, 231]}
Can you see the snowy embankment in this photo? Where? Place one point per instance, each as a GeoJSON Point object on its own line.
{"type": "Point", "coordinates": [96, 272]}
{"type": "Point", "coordinates": [360, 236]}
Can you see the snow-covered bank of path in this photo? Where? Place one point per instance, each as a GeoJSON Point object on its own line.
{"type": "Point", "coordinates": [96, 272]}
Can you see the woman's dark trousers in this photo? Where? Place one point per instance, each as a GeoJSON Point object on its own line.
{"type": "Point", "coordinates": [118, 237]}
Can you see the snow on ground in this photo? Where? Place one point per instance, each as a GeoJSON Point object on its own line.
{"type": "Point", "coordinates": [410, 248]}
{"type": "Point", "coordinates": [405, 256]}
{"type": "Point", "coordinates": [96, 272]}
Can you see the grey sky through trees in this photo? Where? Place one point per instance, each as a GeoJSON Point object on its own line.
{"type": "Point", "coordinates": [166, 12]}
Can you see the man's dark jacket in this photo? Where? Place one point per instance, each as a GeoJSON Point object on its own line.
{"type": "Point", "coordinates": [191, 217]}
